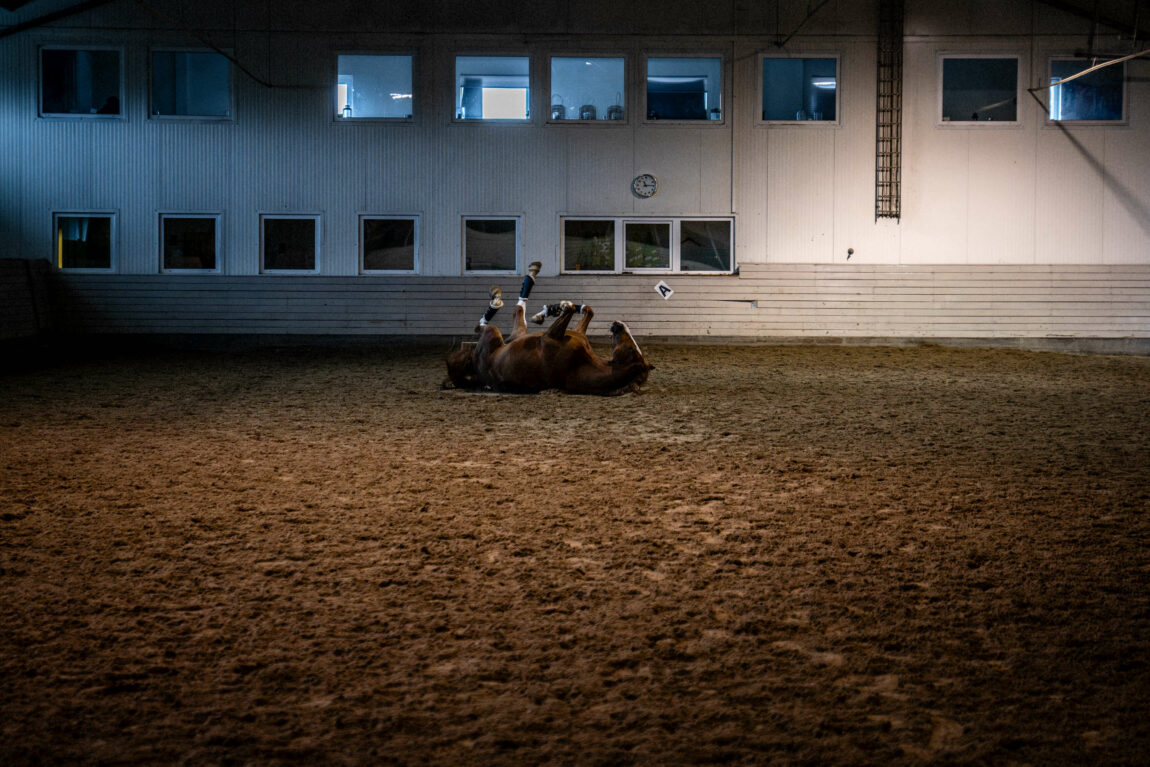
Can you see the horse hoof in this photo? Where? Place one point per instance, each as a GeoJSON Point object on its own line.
{"type": "Point", "coordinates": [496, 292]}
{"type": "Point", "coordinates": [538, 318]}
{"type": "Point", "coordinates": [565, 306]}
{"type": "Point", "coordinates": [533, 268]}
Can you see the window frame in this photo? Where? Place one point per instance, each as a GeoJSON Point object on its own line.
{"type": "Point", "coordinates": [337, 118]}
{"type": "Point", "coordinates": [837, 56]}
{"type": "Point", "coordinates": [724, 84]}
{"type": "Point", "coordinates": [43, 115]}
{"type": "Point", "coordinates": [1123, 121]}
{"type": "Point", "coordinates": [113, 239]}
{"type": "Point", "coordinates": [532, 110]}
{"type": "Point", "coordinates": [675, 256]}
{"type": "Point", "coordinates": [276, 215]}
{"type": "Point", "coordinates": [599, 120]}
{"type": "Point", "coordinates": [1018, 120]}
{"type": "Point", "coordinates": [517, 217]}
{"type": "Point", "coordinates": [413, 217]}
{"type": "Point", "coordinates": [229, 117]}
{"type": "Point", "coordinates": [216, 216]}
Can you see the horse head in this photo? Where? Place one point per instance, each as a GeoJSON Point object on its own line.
{"type": "Point", "coordinates": [628, 358]}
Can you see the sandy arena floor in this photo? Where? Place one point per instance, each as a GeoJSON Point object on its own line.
{"type": "Point", "coordinates": [773, 555]}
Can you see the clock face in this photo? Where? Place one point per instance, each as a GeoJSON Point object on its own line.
{"type": "Point", "coordinates": [645, 185]}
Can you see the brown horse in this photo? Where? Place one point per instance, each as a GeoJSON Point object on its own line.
{"type": "Point", "coordinates": [553, 359]}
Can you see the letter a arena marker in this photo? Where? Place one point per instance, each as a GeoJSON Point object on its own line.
{"type": "Point", "coordinates": [664, 290]}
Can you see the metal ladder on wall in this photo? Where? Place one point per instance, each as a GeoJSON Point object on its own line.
{"type": "Point", "coordinates": [888, 133]}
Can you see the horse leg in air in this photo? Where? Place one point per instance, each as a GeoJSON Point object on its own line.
{"type": "Point", "coordinates": [554, 310]}
{"type": "Point", "coordinates": [585, 320]}
{"type": "Point", "coordinates": [529, 282]}
{"type": "Point", "coordinates": [518, 325]}
{"type": "Point", "coordinates": [493, 307]}
{"type": "Point", "coordinates": [558, 328]}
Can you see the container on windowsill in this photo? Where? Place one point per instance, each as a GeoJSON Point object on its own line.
{"type": "Point", "coordinates": [714, 114]}
{"type": "Point", "coordinates": [615, 112]}
{"type": "Point", "coordinates": [587, 112]}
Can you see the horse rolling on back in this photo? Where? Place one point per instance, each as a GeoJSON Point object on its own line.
{"type": "Point", "coordinates": [557, 358]}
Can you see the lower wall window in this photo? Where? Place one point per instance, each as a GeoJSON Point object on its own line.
{"type": "Point", "coordinates": [389, 244]}
{"type": "Point", "coordinates": [490, 244]}
{"type": "Point", "coordinates": [189, 243]}
{"type": "Point", "coordinates": [637, 245]}
{"type": "Point", "coordinates": [84, 241]}
{"type": "Point", "coordinates": [290, 243]}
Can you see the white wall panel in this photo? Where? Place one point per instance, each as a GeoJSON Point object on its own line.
{"type": "Point", "coordinates": [1126, 208]}
{"type": "Point", "coordinates": [801, 194]}
{"type": "Point", "coordinates": [1069, 196]}
{"type": "Point", "coordinates": [597, 169]}
{"type": "Point", "coordinates": [1000, 197]}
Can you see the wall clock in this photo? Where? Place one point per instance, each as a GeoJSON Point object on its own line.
{"type": "Point", "coordinates": [645, 185]}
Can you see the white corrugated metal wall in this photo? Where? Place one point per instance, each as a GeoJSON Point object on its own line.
{"type": "Point", "coordinates": [1024, 194]}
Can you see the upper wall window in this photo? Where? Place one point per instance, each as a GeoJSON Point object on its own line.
{"type": "Point", "coordinates": [389, 243]}
{"type": "Point", "coordinates": [1096, 97]}
{"type": "Point", "coordinates": [978, 89]}
{"type": "Point", "coordinates": [188, 243]}
{"type": "Point", "coordinates": [84, 241]}
{"type": "Point", "coordinates": [490, 244]}
{"type": "Point", "coordinates": [684, 88]}
{"type": "Point", "coordinates": [191, 84]}
{"type": "Point", "coordinates": [81, 82]}
{"type": "Point", "coordinates": [587, 88]}
{"type": "Point", "coordinates": [492, 88]}
{"type": "Point", "coordinates": [290, 243]}
{"type": "Point", "coordinates": [800, 89]}
{"type": "Point", "coordinates": [374, 87]}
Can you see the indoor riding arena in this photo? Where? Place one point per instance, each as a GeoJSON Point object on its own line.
{"type": "Point", "coordinates": [584, 383]}
{"type": "Point", "coordinates": [771, 554]}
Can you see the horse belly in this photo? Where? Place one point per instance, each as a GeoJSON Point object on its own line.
{"type": "Point", "coordinates": [522, 367]}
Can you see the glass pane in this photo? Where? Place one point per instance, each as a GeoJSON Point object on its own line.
{"type": "Point", "coordinates": [684, 89]}
{"type": "Point", "coordinates": [478, 77]}
{"type": "Point", "coordinates": [389, 244]}
{"type": "Point", "coordinates": [504, 103]}
{"type": "Point", "coordinates": [194, 84]}
{"type": "Point", "coordinates": [705, 246]}
{"type": "Point", "coordinates": [1096, 96]}
{"type": "Point", "coordinates": [979, 90]}
{"type": "Point", "coordinates": [80, 82]}
{"type": "Point", "coordinates": [647, 246]}
{"type": "Point", "coordinates": [589, 245]}
{"type": "Point", "coordinates": [189, 243]}
{"type": "Point", "coordinates": [587, 89]}
{"type": "Point", "coordinates": [491, 244]}
{"type": "Point", "coordinates": [289, 244]}
{"type": "Point", "coordinates": [84, 242]}
{"type": "Point", "coordinates": [374, 86]}
{"type": "Point", "coordinates": [800, 89]}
